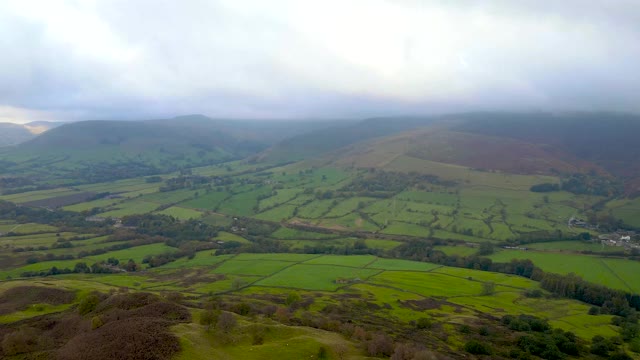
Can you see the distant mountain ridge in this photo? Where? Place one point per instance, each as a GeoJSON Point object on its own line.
{"type": "Point", "coordinates": [12, 134]}
{"type": "Point", "coordinates": [520, 143]}
{"type": "Point", "coordinates": [111, 149]}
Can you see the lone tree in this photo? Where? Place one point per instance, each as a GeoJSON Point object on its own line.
{"type": "Point", "coordinates": [488, 288]}
{"type": "Point", "coordinates": [486, 248]}
{"type": "Point", "coordinates": [226, 322]}
{"type": "Point", "coordinates": [208, 318]}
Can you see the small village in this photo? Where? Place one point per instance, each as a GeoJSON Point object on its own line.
{"type": "Point", "coordinates": [628, 239]}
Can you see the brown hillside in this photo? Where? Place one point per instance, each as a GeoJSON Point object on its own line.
{"type": "Point", "coordinates": [465, 149]}
{"type": "Point", "coordinates": [495, 153]}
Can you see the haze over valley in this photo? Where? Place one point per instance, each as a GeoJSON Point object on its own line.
{"type": "Point", "coordinates": [328, 180]}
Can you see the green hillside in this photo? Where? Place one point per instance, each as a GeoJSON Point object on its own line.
{"type": "Point", "coordinates": [11, 134]}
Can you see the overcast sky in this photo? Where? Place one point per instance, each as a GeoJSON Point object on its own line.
{"type": "Point", "coordinates": [123, 59]}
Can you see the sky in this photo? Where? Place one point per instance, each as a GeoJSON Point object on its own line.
{"type": "Point", "coordinates": [122, 59]}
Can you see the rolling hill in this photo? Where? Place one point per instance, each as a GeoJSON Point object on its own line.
{"type": "Point", "coordinates": [89, 151]}
{"type": "Point", "coordinates": [13, 134]}
{"type": "Point", "coordinates": [321, 141]}
{"type": "Point", "coordinates": [600, 144]}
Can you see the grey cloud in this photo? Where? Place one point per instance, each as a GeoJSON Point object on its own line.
{"type": "Point", "coordinates": [142, 59]}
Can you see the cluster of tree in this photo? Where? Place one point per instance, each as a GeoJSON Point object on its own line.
{"type": "Point", "coordinates": [96, 171]}
{"type": "Point", "coordinates": [358, 248]}
{"type": "Point", "coordinates": [60, 218]}
{"type": "Point", "coordinates": [103, 267]}
{"type": "Point", "coordinates": [608, 348]}
{"type": "Point", "coordinates": [591, 184]}
{"type": "Point", "coordinates": [545, 187]}
{"type": "Point", "coordinates": [615, 302]}
{"type": "Point", "coordinates": [186, 250]}
{"type": "Point", "coordinates": [582, 184]}
{"type": "Point", "coordinates": [30, 248]}
{"type": "Point", "coordinates": [174, 230]}
{"type": "Point", "coordinates": [254, 227]}
{"type": "Point", "coordinates": [257, 245]}
{"type": "Point", "coordinates": [153, 179]}
{"type": "Point", "coordinates": [382, 184]}
{"type": "Point", "coordinates": [185, 182]}
{"type": "Point", "coordinates": [14, 182]}
{"type": "Point", "coordinates": [546, 236]}
{"type": "Point", "coordinates": [49, 257]}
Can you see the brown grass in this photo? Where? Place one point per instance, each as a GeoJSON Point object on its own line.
{"type": "Point", "coordinates": [19, 298]}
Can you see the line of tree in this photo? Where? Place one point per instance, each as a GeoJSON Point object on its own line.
{"type": "Point", "coordinates": [110, 266]}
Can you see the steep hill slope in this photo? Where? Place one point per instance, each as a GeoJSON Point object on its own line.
{"type": "Point", "coordinates": [480, 152]}
{"type": "Point", "coordinates": [607, 139]}
{"type": "Point", "coordinates": [315, 143]}
{"type": "Point", "coordinates": [100, 150]}
{"type": "Point", "coordinates": [11, 134]}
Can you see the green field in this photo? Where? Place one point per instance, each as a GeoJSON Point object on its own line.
{"type": "Point", "coordinates": [614, 273]}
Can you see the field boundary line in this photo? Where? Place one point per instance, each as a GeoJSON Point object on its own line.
{"type": "Point", "coordinates": [616, 275]}
{"type": "Point", "coordinates": [286, 267]}
{"type": "Point", "coordinates": [371, 262]}
{"type": "Point", "coordinates": [480, 281]}
{"type": "Point", "coordinates": [410, 271]}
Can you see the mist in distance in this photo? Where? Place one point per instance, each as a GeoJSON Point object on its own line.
{"type": "Point", "coordinates": [69, 60]}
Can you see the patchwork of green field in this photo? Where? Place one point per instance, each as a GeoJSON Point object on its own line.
{"type": "Point", "coordinates": [123, 187]}
{"type": "Point", "coordinates": [181, 213]}
{"type": "Point", "coordinates": [350, 261]}
{"type": "Point", "coordinates": [38, 195]}
{"type": "Point", "coordinates": [46, 239]}
{"type": "Point", "coordinates": [131, 207]}
{"type": "Point", "coordinates": [225, 236]}
{"type": "Point", "coordinates": [202, 258]}
{"type": "Point", "coordinates": [208, 201]}
{"type": "Point", "coordinates": [282, 196]}
{"type": "Point", "coordinates": [457, 250]}
{"type": "Point", "coordinates": [455, 294]}
{"type": "Point", "coordinates": [28, 228]}
{"type": "Point", "coordinates": [88, 205]}
{"type": "Point", "coordinates": [482, 205]}
{"type": "Point", "coordinates": [628, 210]}
{"type": "Point", "coordinates": [243, 204]}
{"type": "Point", "coordinates": [405, 265]}
{"type": "Point", "coordinates": [279, 213]}
{"type": "Point", "coordinates": [315, 277]}
{"type": "Point", "coordinates": [315, 209]}
{"type": "Point", "coordinates": [437, 198]}
{"type": "Point", "coordinates": [428, 284]}
{"type": "Point", "coordinates": [294, 234]}
{"type": "Point", "coordinates": [352, 221]}
{"type": "Point", "coordinates": [276, 257]}
{"type": "Point", "coordinates": [136, 253]}
{"type": "Point", "coordinates": [614, 273]}
{"type": "Point", "coordinates": [486, 276]}
{"type": "Point", "coordinates": [573, 246]}
{"type": "Point", "coordinates": [171, 197]}
{"type": "Point", "coordinates": [250, 267]}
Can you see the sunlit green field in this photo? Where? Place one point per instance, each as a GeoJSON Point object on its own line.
{"type": "Point", "coordinates": [382, 281]}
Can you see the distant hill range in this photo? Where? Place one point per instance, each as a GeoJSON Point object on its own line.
{"type": "Point", "coordinates": [601, 144]}
{"type": "Point", "coordinates": [104, 149]}
{"type": "Point", "coordinates": [605, 144]}
{"type": "Point", "coordinates": [12, 134]}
